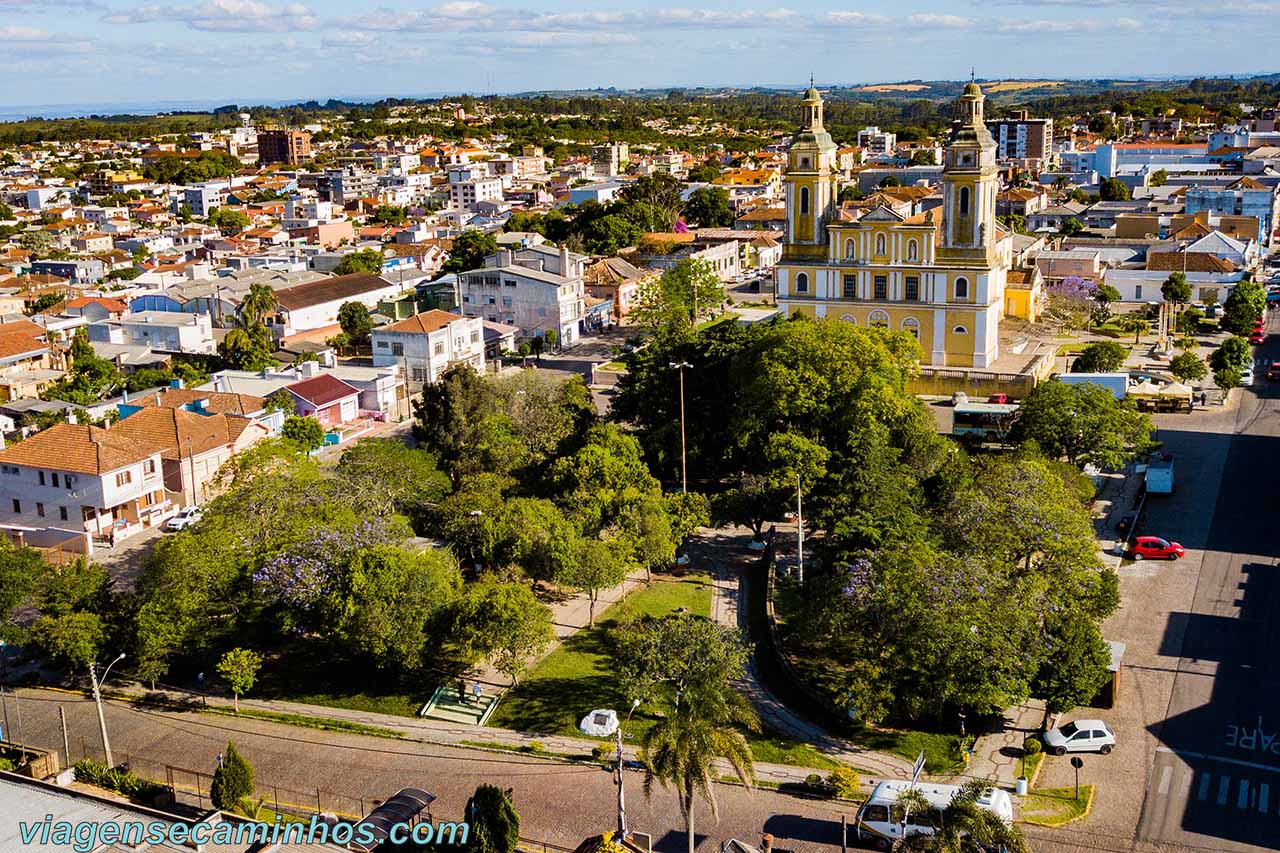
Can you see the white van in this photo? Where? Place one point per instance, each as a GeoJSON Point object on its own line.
{"type": "Point", "coordinates": [876, 826]}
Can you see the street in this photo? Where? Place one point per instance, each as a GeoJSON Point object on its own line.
{"type": "Point", "coordinates": [1216, 769]}
{"type": "Point", "coordinates": [559, 803]}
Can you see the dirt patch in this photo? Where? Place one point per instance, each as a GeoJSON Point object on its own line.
{"type": "Point", "coordinates": [894, 87]}
{"type": "Point", "coordinates": [1018, 85]}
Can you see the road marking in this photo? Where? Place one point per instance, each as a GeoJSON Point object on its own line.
{"type": "Point", "coordinates": [1205, 779]}
{"type": "Point", "coordinates": [1224, 785]}
{"type": "Point", "coordinates": [1270, 768]}
{"type": "Point", "coordinates": [1242, 800]}
{"type": "Point", "coordinates": [1164, 779]}
{"type": "Point", "coordinates": [1263, 791]}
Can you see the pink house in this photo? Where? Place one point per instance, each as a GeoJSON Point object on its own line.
{"type": "Point", "coordinates": [327, 399]}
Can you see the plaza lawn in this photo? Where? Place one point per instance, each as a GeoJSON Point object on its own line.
{"type": "Point", "coordinates": [576, 677]}
{"type": "Point", "coordinates": [1056, 806]}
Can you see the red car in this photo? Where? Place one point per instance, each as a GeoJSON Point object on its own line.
{"type": "Point", "coordinates": [1273, 372]}
{"type": "Point", "coordinates": [1257, 337]}
{"type": "Point", "coordinates": [1002, 399]}
{"type": "Point", "coordinates": [1155, 548]}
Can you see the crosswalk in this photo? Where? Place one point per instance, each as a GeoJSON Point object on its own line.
{"type": "Point", "coordinates": [1219, 789]}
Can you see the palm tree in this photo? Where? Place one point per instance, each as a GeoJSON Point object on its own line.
{"type": "Point", "coordinates": [681, 750]}
{"type": "Point", "coordinates": [965, 826]}
{"type": "Point", "coordinates": [1134, 323]}
{"type": "Point", "coordinates": [257, 303]}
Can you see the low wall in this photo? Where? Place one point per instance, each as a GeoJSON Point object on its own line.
{"type": "Point", "coordinates": [31, 762]}
{"type": "Point", "coordinates": [944, 381]}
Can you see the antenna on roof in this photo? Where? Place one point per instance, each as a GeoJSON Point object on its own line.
{"type": "Point", "coordinates": [972, 74]}
{"type": "Point", "coordinates": [810, 79]}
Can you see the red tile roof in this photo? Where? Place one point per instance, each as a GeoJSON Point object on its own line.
{"type": "Point", "coordinates": [322, 390]}
{"type": "Point", "coordinates": [424, 323]}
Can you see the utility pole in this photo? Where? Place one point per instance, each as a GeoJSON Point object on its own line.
{"type": "Point", "coordinates": [799, 530]}
{"type": "Point", "coordinates": [684, 468]}
{"type": "Point", "coordinates": [4, 705]}
{"type": "Point", "coordinates": [622, 799]}
{"type": "Point", "coordinates": [66, 743]}
{"type": "Point", "coordinates": [195, 487]}
{"type": "Point", "coordinates": [97, 699]}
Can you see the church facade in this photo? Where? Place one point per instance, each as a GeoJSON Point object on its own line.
{"type": "Point", "coordinates": [940, 277]}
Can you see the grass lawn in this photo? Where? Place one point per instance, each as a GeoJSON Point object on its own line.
{"type": "Point", "coordinates": [941, 754]}
{"type": "Point", "coordinates": [576, 677]}
{"type": "Point", "coordinates": [398, 704]}
{"type": "Point", "coordinates": [1056, 806]}
{"type": "Point", "coordinates": [615, 366]}
{"type": "Point", "coordinates": [769, 747]}
{"type": "Point", "coordinates": [324, 723]}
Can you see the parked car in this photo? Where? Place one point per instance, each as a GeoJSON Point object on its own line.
{"type": "Point", "coordinates": [1080, 736]}
{"type": "Point", "coordinates": [1257, 337]}
{"type": "Point", "coordinates": [1246, 376]}
{"type": "Point", "coordinates": [1155, 548]}
{"type": "Point", "coordinates": [1273, 372]}
{"type": "Point", "coordinates": [185, 517]}
{"type": "Point", "coordinates": [1002, 399]}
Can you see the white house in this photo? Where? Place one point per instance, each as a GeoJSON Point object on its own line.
{"type": "Point", "coordinates": [163, 331]}
{"type": "Point", "coordinates": [315, 305]}
{"type": "Point", "coordinates": [537, 289]}
{"type": "Point", "coordinates": [426, 344]}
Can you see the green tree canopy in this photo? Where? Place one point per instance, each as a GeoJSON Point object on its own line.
{"type": "Point", "coordinates": [1244, 307]}
{"type": "Point", "coordinates": [1103, 357]}
{"type": "Point", "coordinates": [239, 668]}
{"type": "Point", "coordinates": [504, 622]}
{"type": "Point", "coordinates": [1188, 367]}
{"type": "Point", "coordinates": [670, 305]}
{"type": "Point", "coordinates": [708, 207]}
{"type": "Point", "coordinates": [355, 321]}
{"type": "Point", "coordinates": [470, 248]}
{"type": "Point", "coordinates": [1114, 189]}
{"type": "Point", "coordinates": [363, 261]}
{"type": "Point", "coordinates": [1083, 423]}
{"type": "Point", "coordinates": [306, 432]}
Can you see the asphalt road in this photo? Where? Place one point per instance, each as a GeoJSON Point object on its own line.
{"type": "Point", "coordinates": [1214, 781]}
{"type": "Point", "coordinates": [559, 803]}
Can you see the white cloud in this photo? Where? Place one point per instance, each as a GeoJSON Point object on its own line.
{"type": "Point", "coordinates": [954, 22]}
{"type": "Point", "coordinates": [224, 16]}
{"type": "Point", "coordinates": [14, 33]}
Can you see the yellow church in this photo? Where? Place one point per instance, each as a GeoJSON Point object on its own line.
{"type": "Point", "coordinates": [941, 278]}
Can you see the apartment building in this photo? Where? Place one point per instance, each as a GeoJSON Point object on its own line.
{"type": "Point", "coordinates": [290, 147]}
{"type": "Point", "coordinates": [427, 344]}
{"type": "Point", "coordinates": [1022, 138]}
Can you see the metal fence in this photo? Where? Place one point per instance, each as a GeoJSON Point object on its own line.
{"type": "Point", "coordinates": [191, 787]}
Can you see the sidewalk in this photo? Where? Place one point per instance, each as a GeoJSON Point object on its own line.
{"type": "Point", "coordinates": [418, 730]}
{"type": "Point", "coordinates": [725, 553]}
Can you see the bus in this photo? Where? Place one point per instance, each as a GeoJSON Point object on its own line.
{"type": "Point", "coordinates": [983, 421]}
{"type": "Point", "coordinates": [879, 822]}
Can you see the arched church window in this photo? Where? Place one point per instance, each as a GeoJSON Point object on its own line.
{"type": "Point", "coordinates": [878, 319]}
{"type": "Point", "coordinates": [964, 201]}
{"type": "Point", "coordinates": [912, 325]}
{"type": "Point", "coordinates": [849, 318]}
{"type": "Point", "coordinates": [804, 200]}
{"type": "Point", "coordinates": [962, 288]}
{"type": "Point", "coordinates": [802, 282]}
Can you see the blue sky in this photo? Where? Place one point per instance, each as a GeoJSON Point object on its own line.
{"type": "Point", "coordinates": [251, 51]}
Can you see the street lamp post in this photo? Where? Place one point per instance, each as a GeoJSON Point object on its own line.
{"type": "Point", "coordinates": [684, 470]}
{"type": "Point", "coordinates": [97, 699]}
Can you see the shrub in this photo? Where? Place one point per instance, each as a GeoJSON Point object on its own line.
{"type": "Point", "coordinates": [126, 782]}
{"type": "Point", "coordinates": [535, 746]}
{"type": "Point", "coordinates": [843, 782]}
{"type": "Point", "coordinates": [6, 764]}
{"type": "Point", "coordinates": [1032, 746]}
{"type": "Point", "coordinates": [232, 782]}
{"type": "Point", "coordinates": [814, 782]}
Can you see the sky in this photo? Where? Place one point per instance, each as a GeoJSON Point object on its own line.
{"type": "Point", "coordinates": [259, 51]}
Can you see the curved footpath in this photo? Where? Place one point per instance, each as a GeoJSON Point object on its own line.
{"type": "Point", "coordinates": [725, 552]}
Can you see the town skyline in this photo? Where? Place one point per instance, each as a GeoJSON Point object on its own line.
{"type": "Point", "coordinates": [255, 52]}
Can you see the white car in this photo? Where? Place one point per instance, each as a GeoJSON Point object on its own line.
{"type": "Point", "coordinates": [1080, 736]}
{"type": "Point", "coordinates": [1246, 376]}
{"type": "Point", "coordinates": [186, 517]}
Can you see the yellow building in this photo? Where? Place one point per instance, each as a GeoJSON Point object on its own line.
{"type": "Point", "coordinates": [941, 278]}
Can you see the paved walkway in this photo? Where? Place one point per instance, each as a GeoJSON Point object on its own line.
{"type": "Point", "coordinates": [724, 553]}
